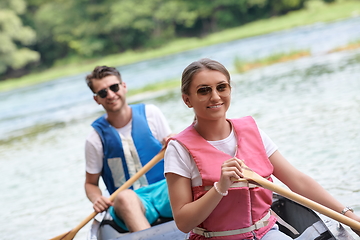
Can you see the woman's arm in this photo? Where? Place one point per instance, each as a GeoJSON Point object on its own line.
{"type": "Point", "coordinates": [305, 185]}
{"type": "Point", "coordinates": [188, 213]}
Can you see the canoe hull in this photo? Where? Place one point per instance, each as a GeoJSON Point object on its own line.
{"type": "Point", "coordinates": [308, 223]}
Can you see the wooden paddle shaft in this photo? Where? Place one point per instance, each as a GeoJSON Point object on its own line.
{"type": "Point", "coordinates": [137, 175]}
{"type": "Point", "coordinates": [71, 234]}
{"type": "Point", "coordinates": [305, 201]}
{"type": "Point", "coordinates": [128, 183]}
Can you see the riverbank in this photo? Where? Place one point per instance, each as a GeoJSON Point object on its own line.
{"type": "Point", "coordinates": [314, 12]}
{"type": "Point", "coordinates": [243, 66]}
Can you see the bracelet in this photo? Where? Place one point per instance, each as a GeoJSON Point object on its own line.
{"type": "Point", "coordinates": [347, 209]}
{"type": "Point", "coordinates": [222, 194]}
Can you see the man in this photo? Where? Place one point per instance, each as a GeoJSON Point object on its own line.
{"type": "Point", "coordinates": [122, 141]}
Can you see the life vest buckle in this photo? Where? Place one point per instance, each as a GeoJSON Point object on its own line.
{"type": "Point", "coordinates": [260, 224]}
{"type": "Point", "coordinates": [207, 234]}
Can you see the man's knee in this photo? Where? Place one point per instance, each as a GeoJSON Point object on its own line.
{"type": "Point", "coordinates": [125, 196]}
{"type": "Point", "coordinates": [127, 199]}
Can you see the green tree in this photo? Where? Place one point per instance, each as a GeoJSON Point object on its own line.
{"type": "Point", "coordinates": [215, 15]}
{"type": "Point", "coordinates": [279, 7]}
{"type": "Point", "coordinates": [69, 30]}
{"type": "Point", "coordinates": [154, 22]}
{"type": "Point", "coordinates": [15, 37]}
{"type": "Point", "coordinates": [90, 28]}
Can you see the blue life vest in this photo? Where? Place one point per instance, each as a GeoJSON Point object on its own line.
{"type": "Point", "coordinates": [146, 144]}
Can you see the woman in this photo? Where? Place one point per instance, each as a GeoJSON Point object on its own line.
{"type": "Point", "coordinates": [202, 162]}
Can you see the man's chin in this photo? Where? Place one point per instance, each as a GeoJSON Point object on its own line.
{"type": "Point", "coordinates": [112, 108]}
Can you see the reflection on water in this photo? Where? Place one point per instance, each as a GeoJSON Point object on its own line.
{"type": "Point", "coordinates": [309, 107]}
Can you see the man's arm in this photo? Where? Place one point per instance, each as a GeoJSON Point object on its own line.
{"type": "Point", "coordinates": [94, 194]}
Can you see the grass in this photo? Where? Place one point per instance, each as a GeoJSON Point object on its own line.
{"type": "Point", "coordinates": [350, 46]}
{"type": "Point", "coordinates": [243, 66]}
{"type": "Point", "coordinates": [316, 11]}
{"type": "Point", "coordinates": [154, 87]}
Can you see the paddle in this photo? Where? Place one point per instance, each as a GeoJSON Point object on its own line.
{"type": "Point", "coordinates": [71, 234]}
{"type": "Point", "coordinates": [258, 180]}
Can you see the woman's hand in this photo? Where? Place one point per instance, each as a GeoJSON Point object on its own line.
{"type": "Point", "coordinates": [230, 169]}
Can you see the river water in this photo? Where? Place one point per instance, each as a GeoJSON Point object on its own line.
{"type": "Point", "coordinates": [309, 107]}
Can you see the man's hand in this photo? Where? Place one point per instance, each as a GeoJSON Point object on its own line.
{"type": "Point", "coordinates": [164, 141]}
{"type": "Point", "coordinates": [102, 204]}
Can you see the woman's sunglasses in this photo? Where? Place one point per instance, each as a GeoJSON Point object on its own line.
{"type": "Point", "coordinates": [222, 89]}
{"type": "Point", "coordinates": [103, 92]}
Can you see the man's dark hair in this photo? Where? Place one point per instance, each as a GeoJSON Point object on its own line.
{"type": "Point", "coordinates": [100, 72]}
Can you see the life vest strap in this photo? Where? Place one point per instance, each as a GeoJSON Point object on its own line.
{"type": "Point", "coordinates": [285, 224]}
{"type": "Point", "coordinates": [259, 224]}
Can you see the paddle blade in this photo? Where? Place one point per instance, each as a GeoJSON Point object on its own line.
{"type": "Point", "coordinates": [65, 236]}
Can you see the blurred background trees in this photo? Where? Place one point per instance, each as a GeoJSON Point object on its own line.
{"type": "Point", "coordinates": [15, 37]}
{"type": "Point", "coordinates": [36, 34]}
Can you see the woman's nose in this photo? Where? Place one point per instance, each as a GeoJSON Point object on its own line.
{"type": "Point", "coordinates": [214, 94]}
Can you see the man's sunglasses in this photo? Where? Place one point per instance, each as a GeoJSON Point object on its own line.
{"type": "Point", "coordinates": [204, 93]}
{"type": "Point", "coordinates": [103, 92]}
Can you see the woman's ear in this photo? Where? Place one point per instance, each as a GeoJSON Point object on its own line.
{"type": "Point", "coordinates": [186, 100]}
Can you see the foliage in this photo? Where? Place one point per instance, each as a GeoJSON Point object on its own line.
{"type": "Point", "coordinates": [68, 30]}
{"type": "Point", "coordinates": [77, 65]}
{"type": "Point", "coordinates": [91, 28]}
{"type": "Point", "coordinates": [14, 37]}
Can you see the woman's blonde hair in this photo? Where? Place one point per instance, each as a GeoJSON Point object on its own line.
{"type": "Point", "coordinates": [195, 67]}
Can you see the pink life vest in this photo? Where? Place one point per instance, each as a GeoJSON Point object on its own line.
{"type": "Point", "coordinates": [243, 206]}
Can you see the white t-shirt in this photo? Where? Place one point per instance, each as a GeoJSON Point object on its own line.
{"type": "Point", "coordinates": [93, 147]}
{"type": "Point", "coordinates": [179, 161]}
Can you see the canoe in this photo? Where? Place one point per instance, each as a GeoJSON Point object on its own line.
{"type": "Point", "coordinates": [308, 224]}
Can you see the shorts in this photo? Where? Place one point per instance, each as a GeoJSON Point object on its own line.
{"type": "Point", "coordinates": [155, 198]}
